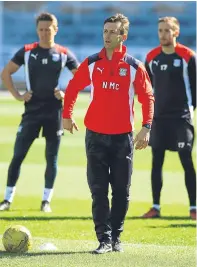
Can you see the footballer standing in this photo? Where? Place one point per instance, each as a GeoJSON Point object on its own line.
{"type": "Point", "coordinates": [172, 70]}
{"type": "Point", "coordinates": [43, 62]}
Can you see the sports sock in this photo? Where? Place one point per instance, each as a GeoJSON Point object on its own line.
{"type": "Point", "coordinates": [9, 193]}
{"type": "Point", "coordinates": [47, 195]}
{"type": "Point", "coordinates": [157, 207]}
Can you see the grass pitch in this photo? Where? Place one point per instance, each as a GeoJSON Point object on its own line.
{"type": "Point", "coordinates": [166, 242]}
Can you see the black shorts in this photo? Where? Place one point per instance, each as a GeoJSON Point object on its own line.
{"type": "Point", "coordinates": [172, 134]}
{"type": "Point", "coordinates": [49, 122]}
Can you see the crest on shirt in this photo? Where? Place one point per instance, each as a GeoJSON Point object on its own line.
{"type": "Point", "coordinates": [122, 72]}
{"type": "Point", "coordinates": [177, 63]}
{"type": "Point", "coordinates": [55, 57]}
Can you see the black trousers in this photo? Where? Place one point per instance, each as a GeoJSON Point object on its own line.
{"type": "Point", "coordinates": [109, 162]}
{"type": "Point", "coordinates": [29, 129]}
{"type": "Point", "coordinates": [21, 149]}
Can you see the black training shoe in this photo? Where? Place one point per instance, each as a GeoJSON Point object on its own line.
{"type": "Point", "coordinates": [5, 205]}
{"type": "Point", "coordinates": [45, 206]}
{"type": "Point", "coordinates": [117, 246]}
{"type": "Point", "coordinates": [103, 248]}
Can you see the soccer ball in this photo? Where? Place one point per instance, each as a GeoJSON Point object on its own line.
{"type": "Point", "coordinates": [17, 238]}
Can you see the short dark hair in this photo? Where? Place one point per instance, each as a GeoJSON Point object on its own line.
{"type": "Point", "coordinates": [46, 17]}
{"type": "Point", "coordinates": [122, 19]}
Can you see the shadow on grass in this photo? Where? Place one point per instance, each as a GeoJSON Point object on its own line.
{"type": "Point", "coordinates": [5, 254]}
{"type": "Point", "coordinates": [44, 218]}
{"type": "Point", "coordinates": [168, 218]}
{"type": "Point", "coordinates": [54, 218]}
{"type": "Point", "coordinates": [173, 226]}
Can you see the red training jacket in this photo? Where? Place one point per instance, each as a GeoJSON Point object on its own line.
{"type": "Point", "coordinates": [113, 85]}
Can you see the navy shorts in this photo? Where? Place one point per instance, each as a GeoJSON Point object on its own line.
{"type": "Point", "coordinates": [172, 134]}
{"type": "Point", "coordinates": [49, 122]}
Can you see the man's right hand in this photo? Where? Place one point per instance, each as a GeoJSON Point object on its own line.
{"type": "Point", "coordinates": [26, 97]}
{"type": "Point", "coordinates": [69, 124]}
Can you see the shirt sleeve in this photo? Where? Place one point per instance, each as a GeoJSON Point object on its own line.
{"type": "Point", "coordinates": [80, 80]}
{"type": "Point", "coordinates": [18, 58]}
{"type": "Point", "coordinates": [149, 72]}
{"type": "Point", "coordinates": [192, 78]}
{"type": "Point", "coordinates": [72, 62]}
{"type": "Point", "coordinates": [143, 89]}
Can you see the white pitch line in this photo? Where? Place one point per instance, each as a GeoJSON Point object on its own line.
{"type": "Point", "coordinates": [124, 244]}
{"type": "Point", "coordinates": [136, 245]}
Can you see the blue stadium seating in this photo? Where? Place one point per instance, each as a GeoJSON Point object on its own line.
{"type": "Point", "coordinates": [81, 25]}
{"type": "Point", "coordinates": [81, 22]}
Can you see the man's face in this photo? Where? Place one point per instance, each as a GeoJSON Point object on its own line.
{"type": "Point", "coordinates": [46, 31]}
{"type": "Point", "coordinates": [111, 35]}
{"type": "Point", "coordinates": [166, 33]}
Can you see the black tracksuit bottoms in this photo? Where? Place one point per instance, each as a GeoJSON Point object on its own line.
{"type": "Point", "coordinates": [109, 162]}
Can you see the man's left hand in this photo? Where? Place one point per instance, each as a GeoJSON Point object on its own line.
{"type": "Point", "coordinates": [142, 138]}
{"type": "Point", "coordinates": [70, 125]}
{"type": "Point", "coordinates": [58, 94]}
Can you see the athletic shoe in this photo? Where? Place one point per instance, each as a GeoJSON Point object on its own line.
{"type": "Point", "coordinates": [5, 205]}
{"type": "Point", "coordinates": [117, 246]}
{"type": "Point", "coordinates": [103, 248]}
{"type": "Point", "coordinates": [45, 206]}
{"type": "Point", "coordinates": [193, 214]}
{"type": "Point", "coordinates": [152, 213]}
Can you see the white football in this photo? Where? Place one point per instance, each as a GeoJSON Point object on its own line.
{"type": "Point", "coordinates": [17, 238]}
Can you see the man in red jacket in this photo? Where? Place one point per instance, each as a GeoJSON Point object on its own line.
{"type": "Point", "coordinates": [114, 77]}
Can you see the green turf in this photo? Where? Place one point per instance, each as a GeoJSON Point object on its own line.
{"type": "Point", "coordinates": [166, 242]}
{"type": "Point", "coordinates": [75, 253]}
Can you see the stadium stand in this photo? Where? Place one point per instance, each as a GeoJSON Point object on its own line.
{"type": "Point", "coordinates": [81, 24]}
